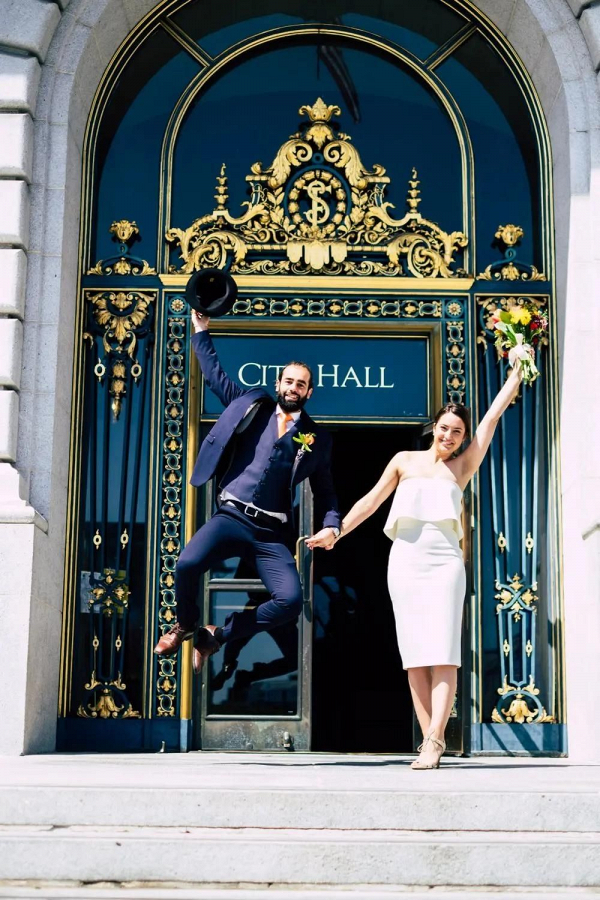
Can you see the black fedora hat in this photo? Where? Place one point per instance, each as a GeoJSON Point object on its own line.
{"type": "Point", "coordinates": [211, 292]}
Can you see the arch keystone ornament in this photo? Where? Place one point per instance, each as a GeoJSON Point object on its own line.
{"type": "Point", "coordinates": [317, 209]}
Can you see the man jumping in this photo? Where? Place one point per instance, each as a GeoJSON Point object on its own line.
{"type": "Point", "coordinates": [257, 464]}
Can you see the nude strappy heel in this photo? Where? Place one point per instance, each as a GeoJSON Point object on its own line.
{"type": "Point", "coordinates": [439, 745]}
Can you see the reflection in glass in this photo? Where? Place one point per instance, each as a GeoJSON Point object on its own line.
{"type": "Point", "coordinates": [219, 26]}
{"type": "Point", "coordinates": [419, 27]}
{"type": "Point", "coordinates": [255, 676]}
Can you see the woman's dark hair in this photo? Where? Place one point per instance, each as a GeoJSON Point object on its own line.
{"type": "Point", "coordinates": [459, 410]}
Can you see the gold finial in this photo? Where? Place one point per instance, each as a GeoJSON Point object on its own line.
{"type": "Point", "coordinates": [222, 196]}
{"type": "Point", "coordinates": [319, 131]}
{"type": "Point", "coordinates": [509, 234]}
{"type": "Point", "coordinates": [319, 111]}
{"type": "Point", "coordinates": [124, 230]}
{"type": "Point", "coordinates": [413, 198]}
{"type": "Point", "coordinates": [117, 387]}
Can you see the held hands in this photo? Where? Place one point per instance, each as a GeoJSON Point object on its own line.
{"type": "Point", "coordinates": [324, 538]}
{"type": "Point", "coordinates": [199, 322]}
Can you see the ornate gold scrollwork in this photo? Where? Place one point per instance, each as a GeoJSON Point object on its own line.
{"type": "Point", "coordinates": [172, 483]}
{"type": "Point", "coordinates": [110, 598]}
{"type": "Point", "coordinates": [316, 208]}
{"type": "Point", "coordinates": [518, 710]}
{"type": "Point", "coordinates": [510, 268]}
{"type": "Point", "coordinates": [106, 707]}
{"type": "Point", "coordinates": [516, 610]}
{"type": "Point", "coordinates": [338, 308]}
{"type": "Point", "coordinates": [121, 315]}
{"type": "Point", "coordinates": [125, 232]}
{"type": "Point", "coordinates": [455, 362]}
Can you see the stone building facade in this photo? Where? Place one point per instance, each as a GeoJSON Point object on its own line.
{"type": "Point", "coordinates": [53, 54]}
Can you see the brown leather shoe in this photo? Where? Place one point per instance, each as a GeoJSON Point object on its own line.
{"type": "Point", "coordinates": [172, 640]}
{"type": "Point", "coordinates": [205, 645]}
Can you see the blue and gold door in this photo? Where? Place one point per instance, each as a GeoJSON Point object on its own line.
{"type": "Point", "coordinates": [333, 681]}
{"type": "Point", "coordinates": [378, 185]}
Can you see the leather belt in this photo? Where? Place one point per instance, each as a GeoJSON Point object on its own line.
{"type": "Point", "coordinates": [255, 514]}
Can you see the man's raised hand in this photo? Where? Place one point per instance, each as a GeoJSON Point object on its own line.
{"type": "Point", "coordinates": [199, 322]}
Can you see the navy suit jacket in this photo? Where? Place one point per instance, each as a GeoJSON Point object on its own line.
{"type": "Point", "coordinates": [239, 404]}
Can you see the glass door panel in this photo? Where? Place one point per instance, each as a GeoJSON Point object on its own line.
{"type": "Point", "coordinates": [255, 694]}
{"type": "Point", "coordinates": [255, 676]}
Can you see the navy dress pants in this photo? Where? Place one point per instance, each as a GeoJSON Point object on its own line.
{"type": "Point", "coordinates": [231, 533]}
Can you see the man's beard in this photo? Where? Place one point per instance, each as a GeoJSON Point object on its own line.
{"type": "Point", "coordinates": [290, 406]}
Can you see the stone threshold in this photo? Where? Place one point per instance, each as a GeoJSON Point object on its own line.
{"type": "Point", "coordinates": [53, 890]}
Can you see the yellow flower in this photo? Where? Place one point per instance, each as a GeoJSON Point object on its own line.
{"type": "Point", "coordinates": [520, 315]}
{"type": "Point", "coordinates": [306, 440]}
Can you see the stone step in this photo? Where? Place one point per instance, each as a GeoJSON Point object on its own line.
{"type": "Point", "coordinates": [300, 856]}
{"type": "Point", "coordinates": [302, 822]}
{"type": "Point", "coordinates": [133, 891]}
{"type": "Point", "coordinates": [239, 807]}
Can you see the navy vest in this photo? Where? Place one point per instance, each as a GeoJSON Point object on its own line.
{"type": "Point", "coordinates": [261, 467]}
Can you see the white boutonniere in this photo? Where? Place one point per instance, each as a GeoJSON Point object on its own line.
{"type": "Point", "coordinates": [305, 440]}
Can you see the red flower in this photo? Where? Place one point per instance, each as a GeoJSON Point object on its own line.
{"type": "Point", "coordinates": [535, 324]}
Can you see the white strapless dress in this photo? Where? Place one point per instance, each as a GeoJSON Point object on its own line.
{"type": "Point", "coordinates": [426, 572]}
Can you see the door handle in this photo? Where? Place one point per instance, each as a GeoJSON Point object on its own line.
{"type": "Point", "coordinates": [302, 538]}
{"type": "Point", "coordinates": [301, 570]}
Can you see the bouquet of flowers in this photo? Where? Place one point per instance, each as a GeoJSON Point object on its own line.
{"type": "Point", "coordinates": [519, 330]}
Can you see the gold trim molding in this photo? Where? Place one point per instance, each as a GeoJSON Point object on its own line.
{"type": "Point", "coordinates": [312, 284]}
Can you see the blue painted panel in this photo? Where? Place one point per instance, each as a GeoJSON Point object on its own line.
{"type": "Point", "coordinates": [119, 735]}
{"type": "Point", "coordinates": [519, 740]}
{"type": "Point", "coordinates": [355, 379]}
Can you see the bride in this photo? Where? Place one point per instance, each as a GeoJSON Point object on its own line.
{"type": "Point", "coordinates": [426, 573]}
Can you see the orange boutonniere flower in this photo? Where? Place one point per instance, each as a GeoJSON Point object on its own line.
{"type": "Point", "coordinates": [306, 440]}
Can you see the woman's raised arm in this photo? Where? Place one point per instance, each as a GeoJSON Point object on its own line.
{"type": "Point", "coordinates": [471, 459]}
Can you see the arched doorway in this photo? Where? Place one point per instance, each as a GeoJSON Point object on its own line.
{"type": "Point", "coordinates": [429, 112]}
